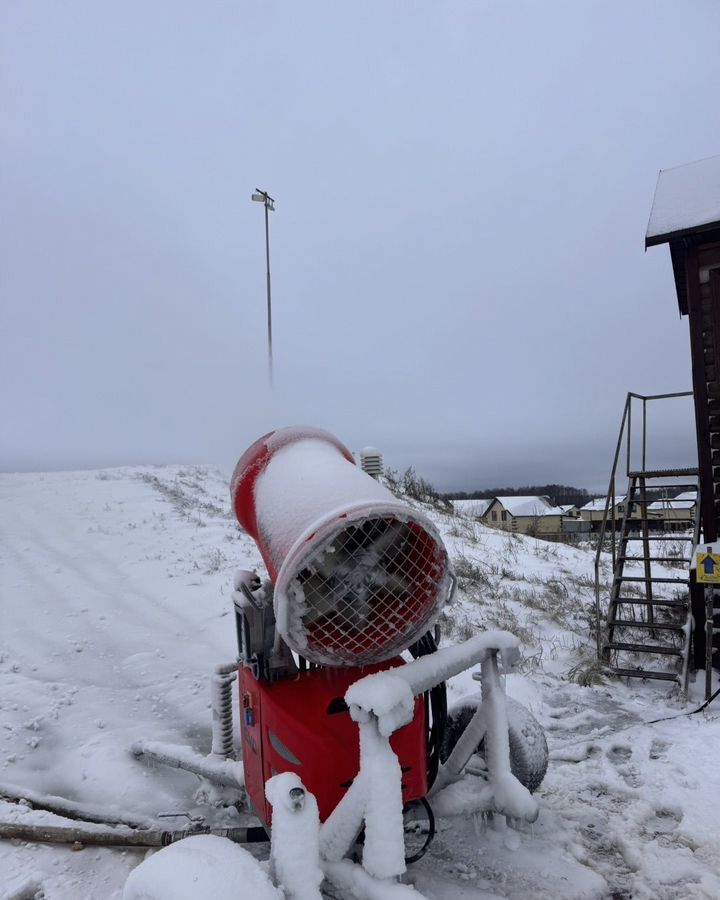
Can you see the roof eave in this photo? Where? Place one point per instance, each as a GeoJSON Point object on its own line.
{"type": "Point", "coordinates": [667, 237]}
{"type": "Point", "coordinates": [679, 241]}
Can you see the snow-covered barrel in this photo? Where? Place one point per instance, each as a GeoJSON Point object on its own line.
{"type": "Point", "coordinates": [358, 575]}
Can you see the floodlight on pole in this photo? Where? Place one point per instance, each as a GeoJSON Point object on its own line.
{"type": "Point", "coordinates": [269, 204]}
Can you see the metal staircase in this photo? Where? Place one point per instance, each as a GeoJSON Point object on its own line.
{"type": "Point", "coordinates": [648, 626]}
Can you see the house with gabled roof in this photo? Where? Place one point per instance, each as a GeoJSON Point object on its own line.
{"type": "Point", "coordinates": [570, 510]}
{"type": "Point", "coordinates": [594, 511]}
{"type": "Point", "coordinates": [472, 508]}
{"type": "Point", "coordinates": [524, 515]}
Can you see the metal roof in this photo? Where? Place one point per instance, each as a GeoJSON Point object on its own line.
{"type": "Point", "coordinates": [687, 200]}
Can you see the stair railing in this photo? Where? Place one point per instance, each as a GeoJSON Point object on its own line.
{"type": "Point", "coordinates": [610, 517]}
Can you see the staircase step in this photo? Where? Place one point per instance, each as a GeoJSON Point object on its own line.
{"type": "Point", "coordinates": [655, 626]}
{"type": "Point", "coordinates": [664, 473]}
{"type": "Point", "coordinates": [644, 648]}
{"type": "Point", "coordinates": [644, 673]}
{"type": "Point", "coordinates": [654, 488]}
{"type": "Point", "coordinates": [639, 501]}
{"type": "Point", "coordinates": [653, 580]}
{"type": "Point", "coordinates": [657, 559]}
{"type": "Point", "coordinates": [635, 522]}
{"type": "Point", "coordinates": [643, 601]}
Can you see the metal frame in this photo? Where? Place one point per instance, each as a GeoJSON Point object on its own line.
{"type": "Point", "coordinates": [376, 801]}
{"type": "Point", "coordinates": [619, 535]}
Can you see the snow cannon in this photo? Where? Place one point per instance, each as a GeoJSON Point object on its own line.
{"type": "Point", "coordinates": [341, 683]}
{"type": "Point", "coordinates": [358, 576]}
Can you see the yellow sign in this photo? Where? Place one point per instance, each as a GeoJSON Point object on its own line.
{"type": "Point", "coordinates": [708, 568]}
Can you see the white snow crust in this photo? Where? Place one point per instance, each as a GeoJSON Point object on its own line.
{"type": "Point", "coordinates": [599, 503]}
{"type": "Point", "coordinates": [296, 839]}
{"type": "Point", "coordinates": [686, 197]}
{"type": "Point", "coordinates": [474, 508]}
{"type": "Point", "coordinates": [529, 506]}
{"type": "Point", "coordinates": [306, 495]}
{"type": "Point", "coordinates": [388, 696]}
{"type": "Point", "coordinates": [203, 866]}
{"type": "Point", "coordinates": [306, 483]}
{"type": "Point", "coordinates": [115, 607]}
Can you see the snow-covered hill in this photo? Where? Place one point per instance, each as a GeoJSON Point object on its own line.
{"type": "Point", "coordinates": [115, 606]}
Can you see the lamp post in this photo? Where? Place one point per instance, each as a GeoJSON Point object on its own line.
{"type": "Point", "coordinates": [269, 204]}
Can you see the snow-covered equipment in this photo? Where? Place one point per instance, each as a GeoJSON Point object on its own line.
{"type": "Point", "coordinates": [358, 575]}
{"type": "Point", "coordinates": [346, 742]}
{"type": "Point", "coordinates": [371, 461]}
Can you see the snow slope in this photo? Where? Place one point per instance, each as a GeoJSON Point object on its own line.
{"type": "Point", "coordinates": [115, 607]}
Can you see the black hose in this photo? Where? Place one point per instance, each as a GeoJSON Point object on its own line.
{"type": "Point", "coordinates": [691, 713]}
{"type": "Point", "coordinates": [436, 703]}
{"type": "Point", "coordinates": [414, 857]}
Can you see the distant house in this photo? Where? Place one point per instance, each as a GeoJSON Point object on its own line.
{"type": "Point", "coordinates": [524, 515]}
{"type": "Point", "coordinates": [472, 508]}
{"type": "Point", "coordinates": [570, 510]}
{"type": "Point", "coordinates": [594, 511]}
{"type": "Point", "coordinates": [678, 512]}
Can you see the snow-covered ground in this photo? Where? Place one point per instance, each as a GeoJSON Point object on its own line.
{"type": "Point", "coordinates": [115, 606]}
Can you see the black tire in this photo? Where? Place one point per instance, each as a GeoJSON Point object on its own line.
{"type": "Point", "coordinates": [528, 746]}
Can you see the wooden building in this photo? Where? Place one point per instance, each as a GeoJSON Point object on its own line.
{"type": "Point", "coordinates": [686, 215]}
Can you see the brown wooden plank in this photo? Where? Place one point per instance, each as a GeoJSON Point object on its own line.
{"type": "Point", "coordinates": [700, 390]}
{"type": "Point", "coordinates": [709, 254]}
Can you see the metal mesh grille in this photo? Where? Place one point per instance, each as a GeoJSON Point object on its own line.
{"type": "Point", "coordinates": [370, 591]}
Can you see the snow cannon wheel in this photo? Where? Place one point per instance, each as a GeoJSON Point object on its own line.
{"type": "Point", "coordinates": [418, 831]}
{"type": "Point", "coordinates": [418, 828]}
{"type": "Point", "coordinates": [528, 745]}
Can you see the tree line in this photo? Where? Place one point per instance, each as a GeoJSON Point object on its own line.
{"type": "Point", "coordinates": [559, 494]}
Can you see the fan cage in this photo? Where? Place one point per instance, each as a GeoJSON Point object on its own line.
{"type": "Point", "coordinates": [368, 592]}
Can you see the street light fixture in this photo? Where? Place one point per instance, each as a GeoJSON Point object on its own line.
{"type": "Point", "coordinates": [269, 204]}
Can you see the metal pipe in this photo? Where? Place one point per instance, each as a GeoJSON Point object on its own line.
{"type": "Point", "coordinates": [709, 621]}
{"type": "Point", "coordinates": [219, 771]}
{"type": "Point", "coordinates": [54, 834]}
{"type": "Point", "coordinates": [603, 527]}
{"type": "Point", "coordinates": [425, 672]}
{"type": "Point", "coordinates": [629, 435]}
{"type": "Point", "coordinates": [462, 752]}
{"type": "Point", "coordinates": [660, 396]}
{"type": "Point", "coordinates": [269, 301]}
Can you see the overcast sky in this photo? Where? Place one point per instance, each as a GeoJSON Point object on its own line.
{"type": "Point", "coordinates": [457, 252]}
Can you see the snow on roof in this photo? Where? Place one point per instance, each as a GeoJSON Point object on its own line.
{"type": "Point", "coordinates": [566, 507]}
{"type": "Point", "coordinates": [686, 197]}
{"type": "Point", "coordinates": [529, 506]}
{"type": "Point", "coordinates": [598, 505]}
{"type": "Point", "coordinates": [471, 507]}
{"type": "Point", "coordinates": [685, 500]}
